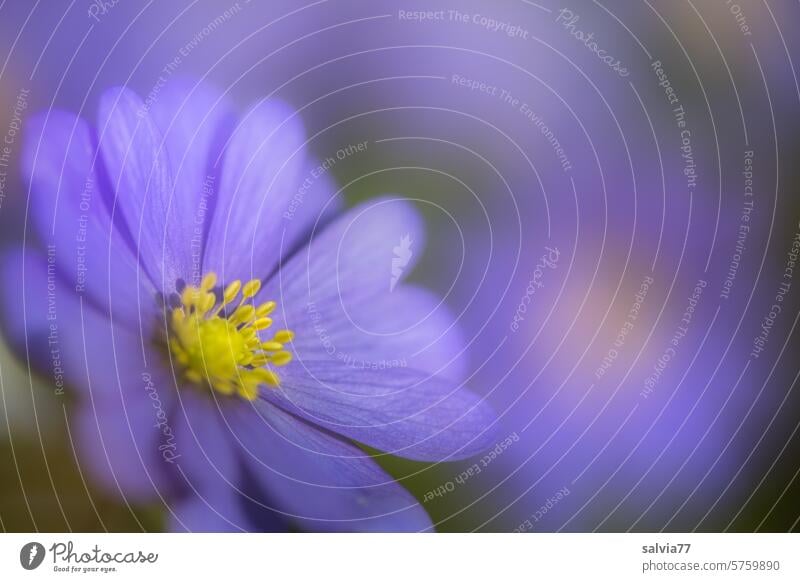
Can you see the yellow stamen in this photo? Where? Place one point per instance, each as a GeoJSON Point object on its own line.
{"type": "Point", "coordinates": [208, 302]}
{"type": "Point", "coordinates": [265, 309]}
{"type": "Point", "coordinates": [281, 358]}
{"type": "Point", "coordinates": [231, 291]}
{"type": "Point", "coordinates": [226, 353]}
{"type": "Point", "coordinates": [284, 336]}
{"type": "Point", "coordinates": [251, 288]}
{"type": "Point", "coordinates": [208, 282]}
{"type": "Point", "coordinates": [262, 323]}
{"type": "Point", "coordinates": [243, 313]}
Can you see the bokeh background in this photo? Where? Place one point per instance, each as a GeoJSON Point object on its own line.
{"type": "Point", "coordinates": [612, 228]}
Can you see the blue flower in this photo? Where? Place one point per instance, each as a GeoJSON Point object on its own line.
{"type": "Point", "coordinates": [230, 332]}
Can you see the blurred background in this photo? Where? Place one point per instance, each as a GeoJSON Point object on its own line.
{"type": "Point", "coordinates": [611, 195]}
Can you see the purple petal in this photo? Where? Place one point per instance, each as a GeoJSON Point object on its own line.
{"type": "Point", "coordinates": [70, 212]}
{"type": "Point", "coordinates": [362, 254]}
{"type": "Point", "coordinates": [28, 305]}
{"type": "Point", "coordinates": [319, 480]}
{"type": "Point", "coordinates": [195, 120]}
{"type": "Point", "coordinates": [314, 205]}
{"type": "Point", "coordinates": [261, 175]}
{"type": "Point", "coordinates": [407, 328]}
{"type": "Point", "coordinates": [122, 427]}
{"type": "Point", "coordinates": [401, 411]}
{"type": "Point", "coordinates": [68, 339]}
{"type": "Point", "coordinates": [139, 169]}
{"type": "Point", "coordinates": [115, 428]}
{"type": "Point", "coordinates": [208, 470]}
{"type": "Point", "coordinates": [120, 435]}
{"type": "Point", "coordinates": [218, 511]}
{"type": "Point", "coordinates": [205, 458]}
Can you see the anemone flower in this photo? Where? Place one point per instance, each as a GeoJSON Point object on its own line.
{"type": "Point", "coordinates": [231, 335]}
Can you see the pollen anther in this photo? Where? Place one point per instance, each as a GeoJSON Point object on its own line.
{"type": "Point", "coordinates": [226, 352]}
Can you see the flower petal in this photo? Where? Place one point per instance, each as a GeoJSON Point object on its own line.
{"type": "Point", "coordinates": [122, 426]}
{"type": "Point", "coordinates": [139, 170]}
{"type": "Point", "coordinates": [315, 204]}
{"type": "Point", "coordinates": [403, 412]}
{"type": "Point", "coordinates": [407, 328]}
{"type": "Point", "coordinates": [196, 120]}
{"type": "Point", "coordinates": [71, 213]}
{"type": "Point", "coordinates": [216, 496]}
{"type": "Point", "coordinates": [115, 427]}
{"type": "Point", "coordinates": [319, 480]}
{"type": "Point", "coordinates": [63, 336]}
{"type": "Point", "coordinates": [204, 456]}
{"type": "Point", "coordinates": [215, 511]}
{"type": "Point", "coordinates": [261, 174]}
{"type": "Point", "coordinates": [25, 309]}
{"type": "Point", "coordinates": [361, 255]}
{"type": "Point", "coordinates": [117, 438]}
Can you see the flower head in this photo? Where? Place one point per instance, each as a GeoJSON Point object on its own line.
{"type": "Point", "coordinates": [224, 350]}
{"type": "Point", "coordinates": [229, 331]}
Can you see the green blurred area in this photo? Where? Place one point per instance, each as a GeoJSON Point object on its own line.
{"type": "Point", "coordinates": [42, 486]}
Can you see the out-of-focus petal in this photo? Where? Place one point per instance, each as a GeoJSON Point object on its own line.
{"type": "Point", "coordinates": [205, 459]}
{"type": "Point", "coordinates": [65, 337]}
{"type": "Point", "coordinates": [70, 212]}
{"type": "Point", "coordinates": [121, 437]}
{"type": "Point", "coordinates": [217, 511]}
{"type": "Point", "coordinates": [116, 429]}
{"type": "Point", "coordinates": [319, 480]}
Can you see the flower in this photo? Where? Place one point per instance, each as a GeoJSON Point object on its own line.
{"type": "Point", "coordinates": [229, 332]}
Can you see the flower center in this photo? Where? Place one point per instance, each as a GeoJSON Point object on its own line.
{"type": "Point", "coordinates": [218, 345]}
